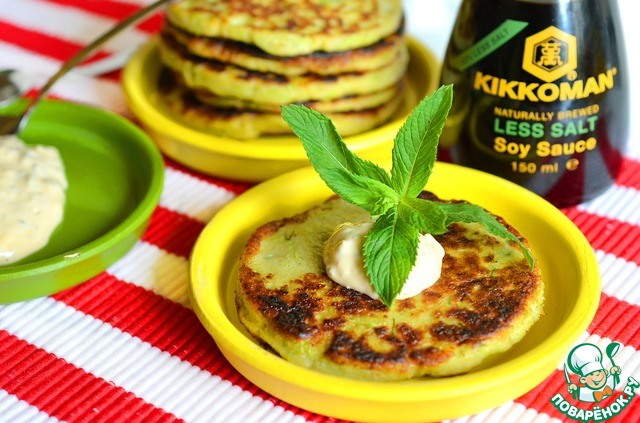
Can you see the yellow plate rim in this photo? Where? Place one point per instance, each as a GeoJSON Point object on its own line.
{"type": "Point", "coordinates": [493, 385]}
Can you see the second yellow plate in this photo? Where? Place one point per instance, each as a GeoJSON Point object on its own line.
{"type": "Point", "coordinates": [262, 158]}
{"type": "Point", "coordinates": [569, 269]}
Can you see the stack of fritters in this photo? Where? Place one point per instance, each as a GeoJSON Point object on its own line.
{"type": "Point", "coordinates": [232, 63]}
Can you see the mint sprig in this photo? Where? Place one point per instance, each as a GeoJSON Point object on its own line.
{"type": "Point", "coordinates": [390, 247]}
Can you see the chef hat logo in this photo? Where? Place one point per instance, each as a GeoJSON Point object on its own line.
{"type": "Point", "coordinates": [585, 359]}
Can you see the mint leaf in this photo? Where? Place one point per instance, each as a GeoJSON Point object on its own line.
{"type": "Point", "coordinates": [416, 145]}
{"type": "Point", "coordinates": [471, 213]}
{"type": "Point", "coordinates": [389, 253]}
{"type": "Point", "coordinates": [425, 215]}
{"type": "Point", "coordinates": [325, 147]}
{"type": "Point", "coordinates": [390, 247]}
{"type": "Point", "coordinates": [373, 196]}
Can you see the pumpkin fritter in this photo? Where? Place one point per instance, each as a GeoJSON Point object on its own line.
{"type": "Point", "coordinates": [485, 301]}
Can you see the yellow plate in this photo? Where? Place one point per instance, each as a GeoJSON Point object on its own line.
{"type": "Point", "coordinates": [569, 269]}
{"type": "Point", "coordinates": [258, 159]}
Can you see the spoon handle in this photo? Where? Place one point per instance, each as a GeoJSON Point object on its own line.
{"type": "Point", "coordinates": [82, 54]}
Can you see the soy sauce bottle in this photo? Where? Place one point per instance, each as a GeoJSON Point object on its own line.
{"type": "Point", "coordinates": [540, 94]}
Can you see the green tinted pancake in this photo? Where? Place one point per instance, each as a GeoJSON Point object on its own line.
{"type": "Point", "coordinates": [246, 123]}
{"type": "Point", "coordinates": [485, 301]}
{"type": "Point", "coordinates": [293, 27]}
{"type": "Point", "coordinates": [339, 105]}
{"type": "Point", "coordinates": [250, 57]}
{"type": "Point", "coordinates": [228, 80]}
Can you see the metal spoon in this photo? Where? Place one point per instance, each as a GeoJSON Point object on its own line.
{"type": "Point", "coordinates": [11, 89]}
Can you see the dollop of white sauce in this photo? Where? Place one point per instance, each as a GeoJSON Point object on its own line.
{"type": "Point", "coordinates": [32, 196]}
{"type": "Point", "coordinates": [344, 263]}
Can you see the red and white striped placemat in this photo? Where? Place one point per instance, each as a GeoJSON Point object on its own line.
{"type": "Point", "coordinates": [126, 346]}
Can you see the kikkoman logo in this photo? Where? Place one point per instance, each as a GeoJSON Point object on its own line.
{"type": "Point", "coordinates": [594, 384]}
{"type": "Point", "coordinates": [550, 54]}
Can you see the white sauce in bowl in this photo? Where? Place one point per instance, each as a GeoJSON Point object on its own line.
{"type": "Point", "coordinates": [32, 196]}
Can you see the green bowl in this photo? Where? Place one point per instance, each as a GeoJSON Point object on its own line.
{"type": "Point", "coordinates": [115, 176]}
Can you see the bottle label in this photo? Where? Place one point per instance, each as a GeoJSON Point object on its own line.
{"type": "Point", "coordinates": [540, 95]}
{"type": "Point", "coordinates": [533, 138]}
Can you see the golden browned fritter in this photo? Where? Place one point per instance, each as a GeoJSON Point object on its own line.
{"type": "Point", "coordinates": [245, 58]}
{"type": "Point", "coordinates": [367, 58]}
{"type": "Point", "coordinates": [290, 27]}
{"type": "Point", "coordinates": [225, 79]}
{"type": "Point", "coordinates": [224, 116]}
{"type": "Point", "coordinates": [485, 301]}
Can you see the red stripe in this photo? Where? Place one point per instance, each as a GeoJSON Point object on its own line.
{"type": "Point", "coordinates": [116, 10]}
{"type": "Point", "coordinates": [114, 75]}
{"type": "Point", "coordinates": [43, 44]}
{"type": "Point", "coordinates": [617, 320]}
{"type": "Point", "coordinates": [165, 325]}
{"type": "Point", "coordinates": [173, 232]}
{"type": "Point", "coordinates": [629, 175]}
{"type": "Point", "coordinates": [152, 318]}
{"type": "Point", "coordinates": [236, 187]}
{"type": "Point", "coordinates": [609, 235]}
{"type": "Point", "coordinates": [64, 391]}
